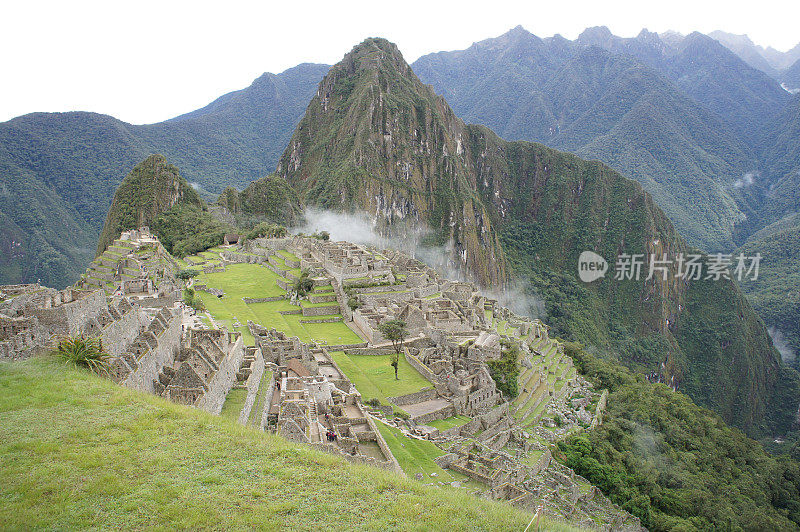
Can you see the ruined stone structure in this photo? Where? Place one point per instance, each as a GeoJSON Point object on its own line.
{"type": "Point", "coordinates": [207, 368]}
{"type": "Point", "coordinates": [129, 298]}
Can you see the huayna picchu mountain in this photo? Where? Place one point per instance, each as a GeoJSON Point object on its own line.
{"type": "Point", "coordinates": [375, 139]}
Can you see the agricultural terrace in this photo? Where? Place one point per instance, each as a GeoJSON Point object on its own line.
{"type": "Point", "coordinates": [254, 281]}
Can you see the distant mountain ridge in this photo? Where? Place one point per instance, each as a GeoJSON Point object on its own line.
{"type": "Point", "coordinates": [711, 138]}
{"type": "Point", "coordinates": [375, 139]}
{"type": "Point", "coordinates": [59, 171]}
{"type": "Point", "coordinates": [619, 100]}
{"type": "Point", "coordinates": [781, 66]}
{"type": "Point", "coordinates": [77, 159]}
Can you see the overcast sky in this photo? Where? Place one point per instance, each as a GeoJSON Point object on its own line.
{"type": "Point", "coordinates": [145, 61]}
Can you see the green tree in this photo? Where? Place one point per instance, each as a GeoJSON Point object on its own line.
{"type": "Point", "coordinates": [187, 273]}
{"type": "Point", "coordinates": [303, 285]}
{"type": "Point", "coordinates": [267, 230]}
{"type": "Point", "coordinates": [395, 331]}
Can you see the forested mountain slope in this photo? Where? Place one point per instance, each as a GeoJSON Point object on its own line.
{"type": "Point", "coordinates": [59, 171]}
{"type": "Point", "coordinates": [374, 138]}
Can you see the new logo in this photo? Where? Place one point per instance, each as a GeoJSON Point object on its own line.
{"type": "Point", "coordinates": [591, 266]}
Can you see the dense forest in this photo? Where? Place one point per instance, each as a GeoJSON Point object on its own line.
{"type": "Point", "coordinates": [675, 465]}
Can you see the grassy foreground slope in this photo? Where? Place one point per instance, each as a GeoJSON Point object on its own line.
{"type": "Point", "coordinates": [78, 451]}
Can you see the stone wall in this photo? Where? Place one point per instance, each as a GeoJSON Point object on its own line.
{"type": "Point", "coordinates": [161, 355]}
{"type": "Point", "coordinates": [234, 256]}
{"type": "Point", "coordinates": [373, 335]}
{"type": "Point", "coordinates": [249, 300]}
{"type": "Point", "coordinates": [223, 380]}
{"type": "Point", "coordinates": [117, 335]}
{"type": "Point", "coordinates": [598, 411]}
{"type": "Point", "coordinates": [426, 394]}
{"type": "Point", "coordinates": [422, 368]}
{"type": "Point", "coordinates": [379, 288]}
{"type": "Point", "coordinates": [253, 382]}
{"type": "Point", "coordinates": [442, 413]}
{"type": "Point", "coordinates": [397, 297]}
{"type": "Point", "coordinates": [70, 318]}
{"type": "Point", "coordinates": [321, 311]}
{"type": "Point", "coordinates": [205, 288]}
{"type": "Point", "coordinates": [322, 298]}
{"type": "Point", "coordinates": [486, 420]}
{"type": "Point", "coordinates": [342, 347]}
{"type": "Point", "coordinates": [342, 299]}
{"type": "Point", "coordinates": [384, 446]}
{"type": "Point", "coordinates": [323, 320]}
{"type": "Point", "coordinates": [268, 402]}
{"type": "Point", "coordinates": [159, 302]}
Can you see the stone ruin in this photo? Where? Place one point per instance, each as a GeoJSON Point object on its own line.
{"type": "Point", "coordinates": [311, 401]}
{"type": "Point", "coordinates": [129, 299]}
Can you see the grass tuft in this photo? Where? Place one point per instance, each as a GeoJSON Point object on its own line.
{"type": "Point", "coordinates": [85, 351]}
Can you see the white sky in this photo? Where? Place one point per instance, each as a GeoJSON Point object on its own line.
{"type": "Point", "coordinates": [145, 61]}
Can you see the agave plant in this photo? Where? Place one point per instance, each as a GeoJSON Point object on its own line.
{"type": "Point", "coordinates": [83, 351]}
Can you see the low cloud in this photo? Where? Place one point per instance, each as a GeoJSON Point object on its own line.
{"type": "Point", "coordinates": [520, 298]}
{"type": "Point", "coordinates": [198, 187]}
{"type": "Point", "coordinates": [406, 235]}
{"type": "Point", "coordinates": [414, 238]}
{"type": "Point", "coordinates": [785, 87]}
{"type": "Point", "coordinates": [746, 180]}
{"type": "Point", "coordinates": [780, 343]}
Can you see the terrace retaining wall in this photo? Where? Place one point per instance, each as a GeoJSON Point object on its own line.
{"type": "Point", "coordinates": [253, 384]}
{"type": "Point", "coordinates": [222, 381]}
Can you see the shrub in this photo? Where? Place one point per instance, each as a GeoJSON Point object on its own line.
{"type": "Point", "coordinates": [267, 230]}
{"type": "Point", "coordinates": [192, 299]}
{"type": "Point", "coordinates": [303, 285]}
{"type": "Point", "coordinates": [83, 351]}
{"type": "Point", "coordinates": [505, 370]}
{"type": "Point", "coordinates": [353, 303]}
{"type": "Point", "coordinates": [187, 273]}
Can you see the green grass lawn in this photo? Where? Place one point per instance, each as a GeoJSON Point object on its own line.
{"type": "Point", "coordinates": [252, 280]}
{"type": "Point", "coordinates": [309, 304]}
{"type": "Point", "coordinates": [288, 255]}
{"type": "Point", "coordinates": [233, 404]}
{"type": "Point", "coordinates": [449, 423]}
{"type": "Point", "coordinates": [245, 280]}
{"type": "Point", "coordinates": [279, 262]}
{"type": "Point", "coordinates": [78, 451]}
{"type": "Point", "coordinates": [373, 375]}
{"type": "Point", "coordinates": [416, 456]}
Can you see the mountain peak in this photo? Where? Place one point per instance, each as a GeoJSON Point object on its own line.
{"type": "Point", "coordinates": [372, 46]}
{"type": "Point", "coordinates": [151, 188]}
{"type": "Point", "coordinates": [597, 35]}
{"type": "Point", "coordinates": [517, 31]}
{"type": "Point", "coordinates": [648, 36]}
{"type": "Point", "coordinates": [373, 54]}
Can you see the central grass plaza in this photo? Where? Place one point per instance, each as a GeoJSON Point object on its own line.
{"type": "Point", "coordinates": [372, 375]}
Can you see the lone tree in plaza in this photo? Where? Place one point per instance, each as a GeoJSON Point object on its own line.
{"type": "Point", "coordinates": [395, 331]}
{"type": "Point", "coordinates": [187, 274]}
{"type": "Point", "coordinates": [303, 285]}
